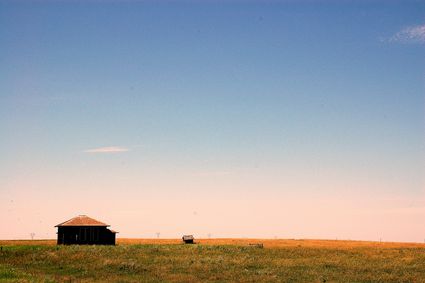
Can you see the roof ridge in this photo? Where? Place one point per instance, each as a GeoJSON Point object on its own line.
{"type": "Point", "coordinates": [82, 220]}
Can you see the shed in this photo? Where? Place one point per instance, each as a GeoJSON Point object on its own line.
{"type": "Point", "coordinates": [188, 239]}
{"type": "Point", "coordinates": [84, 230]}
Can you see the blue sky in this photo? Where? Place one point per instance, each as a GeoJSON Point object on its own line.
{"type": "Point", "coordinates": [194, 105]}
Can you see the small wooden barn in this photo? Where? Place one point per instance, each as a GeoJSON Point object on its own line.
{"type": "Point", "coordinates": [188, 239]}
{"type": "Point", "coordinates": [83, 230]}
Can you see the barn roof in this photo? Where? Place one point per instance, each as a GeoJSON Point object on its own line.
{"type": "Point", "coordinates": [82, 220]}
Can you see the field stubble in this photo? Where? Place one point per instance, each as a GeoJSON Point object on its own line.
{"type": "Point", "coordinates": [212, 260]}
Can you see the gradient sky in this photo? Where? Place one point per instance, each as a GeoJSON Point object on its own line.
{"type": "Point", "coordinates": [289, 119]}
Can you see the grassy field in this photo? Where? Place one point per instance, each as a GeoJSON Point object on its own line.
{"type": "Point", "coordinates": [215, 260]}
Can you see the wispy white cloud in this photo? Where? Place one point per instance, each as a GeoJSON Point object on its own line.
{"type": "Point", "coordinates": [413, 34]}
{"type": "Point", "coordinates": [107, 149]}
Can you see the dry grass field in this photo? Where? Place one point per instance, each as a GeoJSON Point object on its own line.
{"type": "Point", "coordinates": [279, 243]}
{"type": "Point", "coordinates": [268, 243]}
{"type": "Point", "coordinates": [213, 260]}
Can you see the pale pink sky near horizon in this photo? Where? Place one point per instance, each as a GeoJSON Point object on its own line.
{"type": "Point", "coordinates": [221, 212]}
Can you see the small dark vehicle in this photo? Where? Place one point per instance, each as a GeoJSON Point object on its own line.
{"type": "Point", "coordinates": [188, 239]}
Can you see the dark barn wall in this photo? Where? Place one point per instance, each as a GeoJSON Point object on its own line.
{"type": "Point", "coordinates": [85, 235]}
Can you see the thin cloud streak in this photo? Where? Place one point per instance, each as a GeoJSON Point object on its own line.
{"type": "Point", "coordinates": [107, 149]}
{"type": "Point", "coordinates": [413, 34]}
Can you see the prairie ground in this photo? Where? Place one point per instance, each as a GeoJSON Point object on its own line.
{"type": "Point", "coordinates": [213, 260]}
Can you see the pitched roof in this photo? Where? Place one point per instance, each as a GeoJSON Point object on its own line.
{"type": "Point", "coordinates": [82, 220]}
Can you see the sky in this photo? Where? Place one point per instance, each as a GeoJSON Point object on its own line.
{"type": "Point", "coordinates": [268, 119]}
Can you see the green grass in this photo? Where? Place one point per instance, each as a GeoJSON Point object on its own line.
{"type": "Point", "coordinates": [209, 263]}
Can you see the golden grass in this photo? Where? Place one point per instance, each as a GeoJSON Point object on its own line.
{"type": "Point", "coordinates": [27, 242]}
{"type": "Point", "coordinates": [277, 243]}
{"type": "Point", "coordinates": [213, 260]}
{"type": "Point", "coordinates": [268, 243]}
